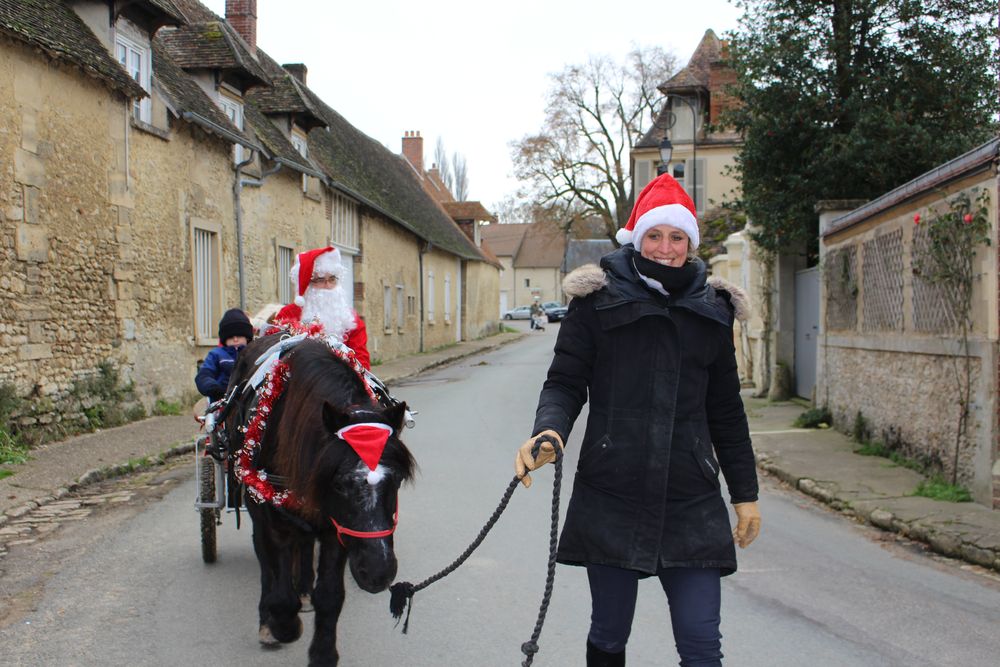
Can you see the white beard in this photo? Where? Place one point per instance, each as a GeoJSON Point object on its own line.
{"type": "Point", "coordinates": [331, 308]}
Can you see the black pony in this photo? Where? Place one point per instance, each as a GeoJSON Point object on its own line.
{"type": "Point", "coordinates": [342, 505]}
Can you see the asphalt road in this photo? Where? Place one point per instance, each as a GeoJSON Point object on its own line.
{"type": "Point", "coordinates": [126, 586]}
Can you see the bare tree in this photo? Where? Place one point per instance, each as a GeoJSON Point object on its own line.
{"type": "Point", "coordinates": [443, 165]}
{"type": "Point", "coordinates": [595, 113]}
{"type": "Point", "coordinates": [461, 172]}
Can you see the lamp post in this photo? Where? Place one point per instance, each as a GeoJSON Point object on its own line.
{"type": "Point", "coordinates": [666, 148]}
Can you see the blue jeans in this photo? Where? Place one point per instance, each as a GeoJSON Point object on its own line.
{"type": "Point", "coordinates": [694, 598]}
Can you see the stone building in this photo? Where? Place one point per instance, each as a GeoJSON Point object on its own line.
{"type": "Point", "coordinates": [160, 169]}
{"type": "Point", "coordinates": [532, 256]}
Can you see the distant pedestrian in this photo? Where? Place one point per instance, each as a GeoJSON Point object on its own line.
{"type": "Point", "coordinates": [649, 342]}
{"type": "Point", "coordinates": [537, 315]}
{"type": "Point", "coordinates": [235, 331]}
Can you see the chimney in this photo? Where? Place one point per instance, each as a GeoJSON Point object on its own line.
{"type": "Point", "coordinates": [298, 70]}
{"type": "Point", "coordinates": [242, 15]}
{"type": "Point", "coordinates": [413, 150]}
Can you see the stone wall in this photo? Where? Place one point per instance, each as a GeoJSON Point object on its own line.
{"type": "Point", "coordinates": [888, 348]}
{"type": "Point", "coordinates": [481, 284]}
{"type": "Point", "coordinates": [443, 329]}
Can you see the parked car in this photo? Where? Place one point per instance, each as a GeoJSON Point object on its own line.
{"type": "Point", "coordinates": [555, 310]}
{"type": "Point", "coordinates": [519, 313]}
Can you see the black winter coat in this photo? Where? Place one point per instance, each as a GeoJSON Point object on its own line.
{"type": "Point", "coordinates": [665, 412]}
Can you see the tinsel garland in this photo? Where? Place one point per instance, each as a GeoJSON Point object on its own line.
{"type": "Point", "coordinates": [256, 481]}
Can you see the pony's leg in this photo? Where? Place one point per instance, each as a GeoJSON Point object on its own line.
{"type": "Point", "coordinates": [328, 600]}
{"type": "Point", "coordinates": [304, 572]}
{"type": "Point", "coordinates": [279, 603]}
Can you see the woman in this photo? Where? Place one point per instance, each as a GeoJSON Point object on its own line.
{"type": "Point", "coordinates": [650, 341]}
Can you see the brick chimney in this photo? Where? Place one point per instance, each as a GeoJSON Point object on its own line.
{"type": "Point", "coordinates": [298, 70]}
{"type": "Point", "coordinates": [413, 150]}
{"type": "Point", "coordinates": [242, 15]}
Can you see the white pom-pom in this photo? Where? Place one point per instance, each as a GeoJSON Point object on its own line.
{"type": "Point", "coordinates": [623, 236]}
{"type": "Point", "coordinates": [300, 301]}
{"type": "Point", "coordinates": [374, 477]}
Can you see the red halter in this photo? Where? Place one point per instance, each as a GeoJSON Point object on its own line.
{"type": "Point", "coordinates": [367, 534]}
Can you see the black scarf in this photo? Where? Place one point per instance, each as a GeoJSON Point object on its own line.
{"type": "Point", "coordinates": [673, 278]}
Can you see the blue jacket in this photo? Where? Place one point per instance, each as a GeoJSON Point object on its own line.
{"type": "Point", "coordinates": [213, 376]}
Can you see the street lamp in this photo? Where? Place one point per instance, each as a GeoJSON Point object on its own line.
{"type": "Point", "coordinates": [666, 148]}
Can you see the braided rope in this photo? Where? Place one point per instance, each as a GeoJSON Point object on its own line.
{"type": "Point", "coordinates": [402, 592]}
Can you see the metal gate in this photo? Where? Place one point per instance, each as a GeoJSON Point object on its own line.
{"type": "Point", "coordinates": [806, 330]}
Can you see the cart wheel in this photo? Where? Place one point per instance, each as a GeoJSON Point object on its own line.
{"type": "Point", "coordinates": [209, 516]}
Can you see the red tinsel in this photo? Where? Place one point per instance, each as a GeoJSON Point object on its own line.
{"type": "Point", "coordinates": [255, 480]}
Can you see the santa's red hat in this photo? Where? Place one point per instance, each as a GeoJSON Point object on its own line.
{"type": "Point", "coordinates": [324, 261]}
{"type": "Point", "coordinates": [662, 202]}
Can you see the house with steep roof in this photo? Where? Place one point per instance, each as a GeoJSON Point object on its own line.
{"type": "Point", "coordinates": [702, 150]}
{"type": "Point", "coordinates": [532, 255]}
{"type": "Point", "coordinates": [164, 168]}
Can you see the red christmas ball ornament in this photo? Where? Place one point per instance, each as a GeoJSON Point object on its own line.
{"type": "Point", "coordinates": [916, 219]}
{"type": "Point", "coordinates": [967, 218]}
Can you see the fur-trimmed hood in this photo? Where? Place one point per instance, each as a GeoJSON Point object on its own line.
{"type": "Point", "coordinates": [590, 277]}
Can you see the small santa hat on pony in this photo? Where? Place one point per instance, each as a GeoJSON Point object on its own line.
{"type": "Point", "coordinates": [662, 202]}
{"type": "Point", "coordinates": [325, 261]}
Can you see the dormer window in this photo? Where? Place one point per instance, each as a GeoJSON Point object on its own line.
{"type": "Point", "coordinates": [234, 112]}
{"type": "Point", "coordinates": [137, 62]}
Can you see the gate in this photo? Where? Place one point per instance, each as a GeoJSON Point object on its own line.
{"type": "Point", "coordinates": [806, 330]}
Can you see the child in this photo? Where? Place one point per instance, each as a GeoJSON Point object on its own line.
{"type": "Point", "coordinates": [235, 331]}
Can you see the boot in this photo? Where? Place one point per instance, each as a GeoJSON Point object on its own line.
{"type": "Point", "coordinates": [598, 658]}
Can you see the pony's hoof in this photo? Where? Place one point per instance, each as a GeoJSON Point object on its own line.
{"type": "Point", "coordinates": [265, 637]}
{"type": "Point", "coordinates": [306, 601]}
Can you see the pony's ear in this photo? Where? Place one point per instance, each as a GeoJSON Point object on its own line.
{"type": "Point", "coordinates": [396, 415]}
{"type": "Point", "coordinates": [333, 417]}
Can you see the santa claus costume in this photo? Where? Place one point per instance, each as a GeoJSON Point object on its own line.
{"type": "Point", "coordinates": [329, 306]}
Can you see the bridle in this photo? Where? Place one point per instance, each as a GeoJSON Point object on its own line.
{"type": "Point", "coordinates": [366, 534]}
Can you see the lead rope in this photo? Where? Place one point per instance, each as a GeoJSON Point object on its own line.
{"type": "Point", "coordinates": [401, 594]}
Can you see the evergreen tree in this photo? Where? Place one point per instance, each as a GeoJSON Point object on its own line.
{"type": "Point", "coordinates": [847, 99]}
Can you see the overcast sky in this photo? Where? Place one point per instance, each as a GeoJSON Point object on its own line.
{"type": "Point", "coordinates": [474, 74]}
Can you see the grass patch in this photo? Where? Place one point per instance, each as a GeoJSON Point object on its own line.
{"type": "Point", "coordinates": [11, 450]}
{"type": "Point", "coordinates": [878, 448]}
{"type": "Point", "coordinates": [5, 473]}
{"type": "Point", "coordinates": [508, 329]}
{"type": "Point", "coordinates": [166, 408]}
{"type": "Point", "coordinates": [814, 418]}
{"type": "Point", "coordinates": [936, 488]}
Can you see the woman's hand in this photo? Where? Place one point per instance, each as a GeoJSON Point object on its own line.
{"type": "Point", "coordinates": [748, 523]}
{"type": "Point", "coordinates": [524, 461]}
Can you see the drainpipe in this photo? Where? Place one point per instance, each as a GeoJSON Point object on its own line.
{"type": "Point", "coordinates": [238, 208]}
{"type": "Point", "coordinates": [426, 248]}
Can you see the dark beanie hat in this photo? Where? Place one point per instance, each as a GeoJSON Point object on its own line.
{"type": "Point", "coordinates": [235, 323]}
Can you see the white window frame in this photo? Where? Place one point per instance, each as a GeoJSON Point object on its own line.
{"type": "Point", "coordinates": [234, 112]}
{"type": "Point", "coordinates": [206, 261]}
{"type": "Point", "coordinates": [285, 259]}
{"type": "Point", "coordinates": [344, 219]}
{"type": "Point", "coordinates": [387, 308]}
{"type": "Point", "coordinates": [137, 61]}
{"type": "Point", "coordinates": [400, 313]}
{"type": "Point", "coordinates": [430, 296]}
{"type": "Point", "coordinates": [447, 298]}
{"type": "Point", "coordinates": [698, 170]}
{"type": "Point", "coordinates": [302, 146]}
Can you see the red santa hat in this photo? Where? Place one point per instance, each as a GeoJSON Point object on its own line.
{"type": "Point", "coordinates": [324, 261]}
{"type": "Point", "coordinates": [662, 202]}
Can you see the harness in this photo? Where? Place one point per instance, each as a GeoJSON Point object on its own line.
{"type": "Point", "coordinates": [268, 384]}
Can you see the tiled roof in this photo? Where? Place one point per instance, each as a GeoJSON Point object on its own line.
{"type": "Point", "coordinates": [504, 240]}
{"type": "Point", "coordinates": [56, 29]}
{"type": "Point", "coordinates": [185, 96]}
{"type": "Point", "coordinates": [383, 180]}
{"type": "Point", "coordinates": [274, 140]}
{"type": "Point", "coordinates": [542, 247]}
{"type": "Point", "coordinates": [468, 210]}
{"type": "Point", "coordinates": [586, 251]}
{"type": "Point", "coordinates": [167, 8]}
{"type": "Point", "coordinates": [212, 45]}
{"type": "Point", "coordinates": [284, 95]}
{"type": "Point", "coordinates": [695, 74]}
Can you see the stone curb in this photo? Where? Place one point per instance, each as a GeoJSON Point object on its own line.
{"type": "Point", "coordinates": [945, 542]}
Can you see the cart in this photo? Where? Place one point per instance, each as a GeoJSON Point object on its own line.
{"type": "Point", "coordinates": [217, 489]}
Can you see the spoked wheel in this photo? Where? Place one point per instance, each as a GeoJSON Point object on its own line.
{"type": "Point", "coordinates": [209, 516]}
